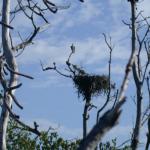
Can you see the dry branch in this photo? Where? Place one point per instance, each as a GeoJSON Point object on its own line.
{"type": "Point", "coordinates": [6, 25]}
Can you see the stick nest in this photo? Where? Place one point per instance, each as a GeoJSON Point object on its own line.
{"type": "Point", "coordinates": [91, 85]}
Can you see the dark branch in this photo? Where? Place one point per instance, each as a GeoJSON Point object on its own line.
{"type": "Point", "coordinates": [6, 25]}
{"type": "Point", "coordinates": [20, 74]}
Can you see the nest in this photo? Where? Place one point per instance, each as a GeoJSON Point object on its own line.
{"type": "Point", "coordinates": [91, 85]}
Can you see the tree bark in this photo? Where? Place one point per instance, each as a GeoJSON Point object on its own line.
{"type": "Point", "coordinates": [148, 136]}
{"type": "Point", "coordinates": [85, 118]}
{"type": "Point", "coordinates": [136, 76]}
{"type": "Point", "coordinates": [10, 60]}
{"type": "Point", "coordinates": [136, 131]}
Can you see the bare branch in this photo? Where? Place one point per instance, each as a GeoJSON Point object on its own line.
{"type": "Point", "coordinates": [15, 100]}
{"type": "Point", "coordinates": [33, 130]}
{"type": "Point", "coordinates": [6, 25]}
{"type": "Point", "coordinates": [27, 41]}
{"type": "Point", "coordinates": [51, 6]}
{"type": "Point", "coordinates": [55, 68]}
{"type": "Point", "coordinates": [109, 75]}
{"type": "Point", "coordinates": [127, 24]}
{"type": "Point", "coordinates": [20, 74]}
{"type": "Point", "coordinates": [14, 87]}
{"type": "Point", "coordinates": [122, 144]}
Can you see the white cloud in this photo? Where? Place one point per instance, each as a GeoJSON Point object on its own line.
{"type": "Point", "coordinates": [144, 6]}
{"type": "Point", "coordinates": [119, 10]}
{"type": "Point", "coordinates": [51, 79]}
{"type": "Point", "coordinates": [77, 14]}
{"type": "Point", "coordinates": [88, 11]}
{"type": "Point", "coordinates": [116, 69]}
{"type": "Point", "coordinates": [89, 51]}
{"type": "Point", "coordinates": [43, 50]}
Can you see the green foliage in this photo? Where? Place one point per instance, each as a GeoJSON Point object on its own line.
{"type": "Point", "coordinates": [20, 139]}
{"type": "Point", "coordinates": [112, 145]}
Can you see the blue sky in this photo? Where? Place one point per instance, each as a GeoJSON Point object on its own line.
{"type": "Point", "coordinates": [51, 99]}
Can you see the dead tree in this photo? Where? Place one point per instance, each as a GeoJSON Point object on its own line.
{"type": "Point", "coordinates": [139, 24]}
{"type": "Point", "coordinates": [110, 118]}
{"type": "Point", "coordinates": [146, 114]}
{"type": "Point", "coordinates": [87, 85]}
{"type": "Point", "coordinates": [106, 122]}
{"type": "Point", "coordinates": [8, 64]}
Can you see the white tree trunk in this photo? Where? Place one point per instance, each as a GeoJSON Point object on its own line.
{"type": "Point", "coordinates": [10, 59]}
{"type": "Point", "coordinates": [137, 80]}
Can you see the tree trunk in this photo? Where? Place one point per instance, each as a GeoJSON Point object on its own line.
{"type": "Point", "coordinates": [85, 118]}
{"type": "Point", "coordinates": [10, 60]}
{"type": "Point", "coordinates": [136, 75]}
{"type": "Point", "coordinates": [148, 136]}
{"type": "Point", "coordinates": [136, 131]}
